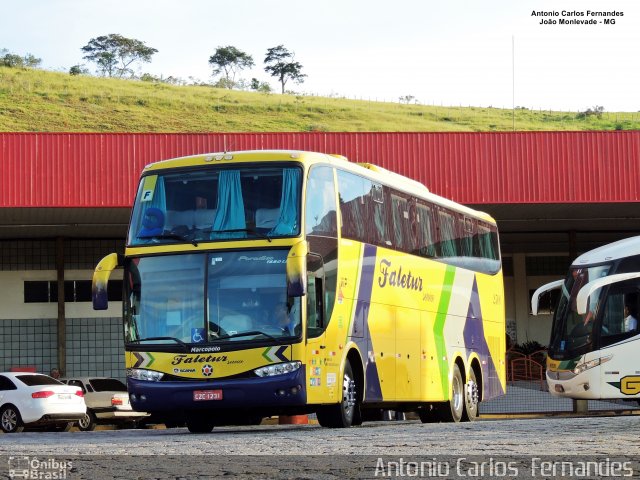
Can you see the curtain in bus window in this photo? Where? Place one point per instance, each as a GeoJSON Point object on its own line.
{"type": "Point", "coordinates": [399, 210]}
{"type": "Point", "coordinates": [487, 249]}
{"type": "Point", "coordinates": [375, 232]}
{"type": "Point", "coordinates": [289, 203]}
{"type": "Point", "coordinates": [426, 248]}
{"type": "Point", "coordinates": [466, 240]}
{"type": "Point", "coordinates": [230, 213]}
{"type": "Point", "coordinates": [447, 235]}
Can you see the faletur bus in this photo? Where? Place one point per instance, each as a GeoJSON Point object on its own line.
{"type": "Point", "coordinates": [277, 282]}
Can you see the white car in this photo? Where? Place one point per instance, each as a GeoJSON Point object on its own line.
{"type": "Point", "coordinates": [107, 402]}
{"type": "Point", "coordinates": [33, 399]}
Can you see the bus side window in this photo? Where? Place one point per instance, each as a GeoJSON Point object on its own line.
{"type": "Point", "coordinates": [315, 296]}
{"type": "Point", "coordinates": [322, 233]}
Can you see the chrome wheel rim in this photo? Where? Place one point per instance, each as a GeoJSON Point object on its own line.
{"type": "Point", "coordinates": [9, 420]}
{"type": "Point", "coordinates": [472, 395]}
{"type": "Point", "coordinates": [348, 394]}
{"type": "Point", "coordinates": [458, 398]}
{"type": "Point", "coordinates": [84, 421]}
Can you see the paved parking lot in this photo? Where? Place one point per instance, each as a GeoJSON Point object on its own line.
{"type": "Point", "coordinates": [535, 436]}
{"type": "Point", "coordinates": [309, 451]}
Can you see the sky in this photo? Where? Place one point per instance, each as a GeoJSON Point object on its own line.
{"type": "Point", "coordinates": [441, 52]}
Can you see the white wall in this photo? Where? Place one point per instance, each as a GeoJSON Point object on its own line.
{"type": "Point", "coordinates": [12, 304]}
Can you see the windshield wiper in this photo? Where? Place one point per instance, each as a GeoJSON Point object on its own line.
{"type": "Point", "coordinates": [150, 339]}
{"type": "Point", "coordinates": [245, 230]}
{"type": "Point", "coordinates": [246, 334]}
{"type": "Point", "coordinates": [171, 236]}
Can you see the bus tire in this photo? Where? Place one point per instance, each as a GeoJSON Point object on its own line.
{"type": "Point", "coordinates": [343, 414]}
{"type": "Point", "coordinates": [454, 408]}
{"type": "Point", "coordinates": [200, 425]}
{"type": "Point", "coordinates": [471, 398]}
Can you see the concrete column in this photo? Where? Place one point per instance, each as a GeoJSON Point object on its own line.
{"type": "Point", "coordinates": [521, 300]}
{"type": "Point", "coordinates": [62, 344]}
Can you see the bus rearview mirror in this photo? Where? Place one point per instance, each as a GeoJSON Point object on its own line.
{"type": "Point", "coordinates": [101, 274]}
{"type": "Point", "coordinates": [297, 270]}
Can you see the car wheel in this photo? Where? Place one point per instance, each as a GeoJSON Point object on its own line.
{"type": "Point", "coordinates": [10, 420]}
{"type": "Point", "coordinates": [87, 422]}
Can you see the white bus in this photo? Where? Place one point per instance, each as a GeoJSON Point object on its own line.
{"type": "Point", "coordinates": [594, 350]}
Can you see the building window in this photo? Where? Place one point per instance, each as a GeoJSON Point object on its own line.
{"type": "Point", "coordinates": [74, 291]}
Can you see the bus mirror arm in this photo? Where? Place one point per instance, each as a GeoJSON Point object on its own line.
{"type": "Point", "coordinates": [544, 288]}
{"type": "Point", "coordinates": [297, 270]}
{"type": "Point", "coordinates": [582, 300]}
{"type": "Point", "coordinates": [101, 274]}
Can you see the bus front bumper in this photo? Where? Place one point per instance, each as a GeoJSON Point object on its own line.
{"type": "Point", "coordinates": [569, 385]}
{"type": "Point", "coordinates": [287, 390]}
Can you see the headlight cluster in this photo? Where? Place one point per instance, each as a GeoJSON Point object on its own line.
{"type": "Point", "coordinates": [142, 374]}
{"type": "Point", "coordinates": [590, 364]}
{"type": "Point", "coordinates": [277, 369]}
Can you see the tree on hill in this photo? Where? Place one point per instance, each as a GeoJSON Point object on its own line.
{"type": "Point", "coordinates": [280, 64]}
{"type": "Point", "coordinates": [8, 59]}
{"type": "Point", "coordinates": [229, 61]}
{"type": "Point", "coordinates": [114, 54]}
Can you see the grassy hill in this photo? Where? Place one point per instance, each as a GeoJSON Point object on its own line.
{"type": "Point", "coordinates": [43, 101]}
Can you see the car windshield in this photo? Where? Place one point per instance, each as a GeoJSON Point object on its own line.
{"type": "Point", "coordinates": [33, 380]}
{"type": "Point", "coordinates": [221, 297]}
{"type": "Point", "coordinates": [572, 333]}
{"type": "Point", "coordinates": [206, 204]}
{"type": "Point", "coordinates": [107, 385]}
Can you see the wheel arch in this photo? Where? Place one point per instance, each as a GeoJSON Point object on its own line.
{"type": "Point", "coordinates": [357, 367]}
{"type": "Point", "coordinates": [474, 365]}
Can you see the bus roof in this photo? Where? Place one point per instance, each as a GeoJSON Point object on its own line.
{"type": "Point", "coordinates": [371, 171]}
{"type": "Point", "coordinates": [612, 251]}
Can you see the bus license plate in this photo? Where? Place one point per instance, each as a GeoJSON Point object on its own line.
{"type": "Point", "coordinates": [203, 395]}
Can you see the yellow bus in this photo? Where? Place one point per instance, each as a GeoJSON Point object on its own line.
{"type": "Point", "coordinates": [265, 283]}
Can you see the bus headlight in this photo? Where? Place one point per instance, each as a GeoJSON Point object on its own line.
{"type": "Point", "coordinates": [277, 369]}
{"type": "Point", "coordinates": [142, 374]}
{"type": "Point", "coordinates": [590, 364]}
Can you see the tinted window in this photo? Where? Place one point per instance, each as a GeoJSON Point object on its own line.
{"type": "Point", "coordinates": [6, 383]}
{"type": "Point", "coordinates": [352, 205]}
{"type": "Point", "coordinates": [107, 385]}
{"type": "Point", "coordinates": [32, 380]}
{"type": "Point", "coordinates": [401, 236]}
{"type": "Point", "coordinates": [447, 230]}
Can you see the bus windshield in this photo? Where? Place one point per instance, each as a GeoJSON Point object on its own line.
{"type": "Point", "coordinates": [572, 334]}
{"type": "Point", "coordinates": [209, 298]}
{"type": "Point", "coordinates": [220, 203]}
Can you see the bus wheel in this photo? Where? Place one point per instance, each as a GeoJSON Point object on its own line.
{"type": "Point", "coordinates": [455, 407]}
{"type": "Point", "coordinates": [343, 414]}
{"type": "Point", "coordinates": [199, 425]}
{"type": "Point", "coordinates": [471, 398]}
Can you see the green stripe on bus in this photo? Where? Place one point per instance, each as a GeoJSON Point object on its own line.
{"type": "Point", "coordinates": [438, 327]}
